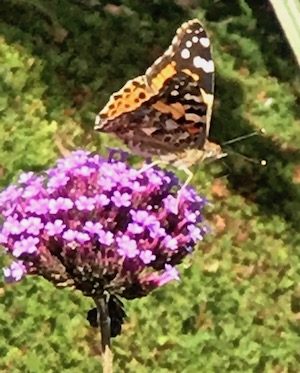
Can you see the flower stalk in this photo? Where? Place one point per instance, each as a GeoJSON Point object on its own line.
{"type": "Point", "coordinates": [104, 322]}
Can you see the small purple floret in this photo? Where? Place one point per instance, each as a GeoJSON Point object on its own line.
{"type": "Point", "coordinates": [170, 203]}
{"type": "Point", "coordinates": [60, 204]}
{"type": "Point", "coordinates": [14, 272]}
{"type": "Point", "coordinates": [171, 243]}
{"type": "Point", "coordinates": [195, 233]}
{"type": "Point", "coordinates": [127, 247]}
{"type": "Point", "coordinates": [105, 238]}
{"type": "Point", "coordinates": [102, 200]}
{"type": "Point", "coordinates": [58, 180]}
{"type": "Point", "coordinates": [55, 228]}
{"type": "Point", "coordinates": [26, 177]}
{"type": "Point", "coordinates": [70, 235]}
{"type": "Point", "coordinates": [147, 256]}
{"type": "Point", "coordinates": [93, 228]}
{"type": "Point", "coordinates": [25, 246]}
{"type": "Point", "coordinates": [121, 199]}
{"type": "Point", "coordinates": [84, 203]}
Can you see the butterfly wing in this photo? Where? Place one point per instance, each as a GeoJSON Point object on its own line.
{"type": "Point", "coordinates": [168, 108]}
{"type": "Point", "coordinates": [189, 54]}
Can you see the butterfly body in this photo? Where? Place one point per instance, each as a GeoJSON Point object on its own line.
{"type": "Point", "coordinates": [167, 111]}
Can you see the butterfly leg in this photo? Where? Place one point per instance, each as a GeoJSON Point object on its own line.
{"type": "Point", "coordinates": [147, 166]}
{"type": "Point", "coordinates": [190, 175]}
{"type": "Point", "coordinates": [187, 171]}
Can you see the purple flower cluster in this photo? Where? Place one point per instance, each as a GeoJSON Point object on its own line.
{"type": "Point", "coordinates": [99, 225]}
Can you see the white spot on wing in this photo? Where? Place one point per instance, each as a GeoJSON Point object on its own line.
{"type": "Point", "coordinates": [185, 54]}
{"type": "Point", "coordinates": [174, 93]}
{"type": "Point", "coordinates": [188, 44]}
{"type": "Point", "coordinates": [207, 66]}
{"type": "Point", "coordinates": [188, 96]}
{"type": "Point", "coordinates": [204, 42]}
{"type": "Point", "coordinates": [195, 39]}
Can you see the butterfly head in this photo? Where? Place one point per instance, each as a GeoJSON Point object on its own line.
{"type": "Point", "coordinates": [192, 156]}
{"type": "Point", "coordinates": [212, 151]}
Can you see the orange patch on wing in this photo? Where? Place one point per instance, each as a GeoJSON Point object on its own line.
{"type": "Point", "coordinates": [189, 73]}
{"type": "Point", "coordinates": [193, 130]}
{"type": "Point", "coordinates": [160, 106]}
{"type": "Point", "coordinates": [176, 110]}
{"type": "Point", "coordinates": [131, 97]}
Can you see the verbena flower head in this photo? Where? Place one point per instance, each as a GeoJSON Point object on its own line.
{"type": "Point", "coordinates": [99, 225]}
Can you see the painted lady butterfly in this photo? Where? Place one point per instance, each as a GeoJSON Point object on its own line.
{"type": "Point", "coordinates": [167, 111]}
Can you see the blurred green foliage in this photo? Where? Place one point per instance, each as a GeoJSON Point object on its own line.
{"type": "Point", "coordinates": [237, 308]}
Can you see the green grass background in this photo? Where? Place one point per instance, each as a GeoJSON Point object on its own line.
{"type": "Point", "coordinates": [237, 308]}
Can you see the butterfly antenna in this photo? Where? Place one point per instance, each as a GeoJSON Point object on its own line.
{"type": "Point", "coordinates": [261, 162]}
{"type": "Point", "coordinates": [244, 137]}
